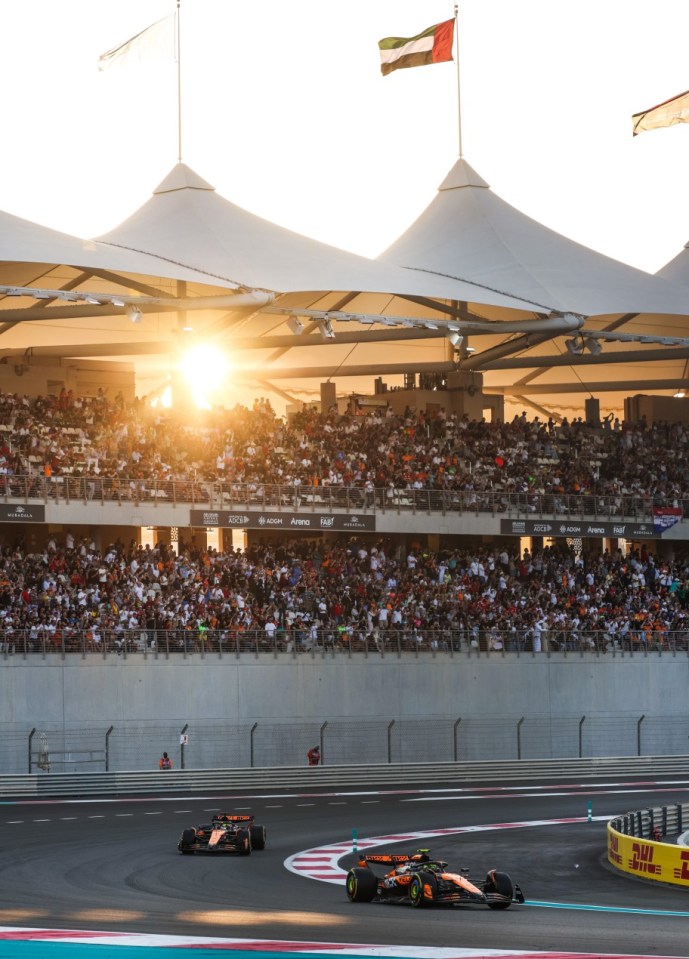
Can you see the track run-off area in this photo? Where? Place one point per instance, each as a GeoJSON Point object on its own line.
{"type": "Point", "coordinates": [92, 878]}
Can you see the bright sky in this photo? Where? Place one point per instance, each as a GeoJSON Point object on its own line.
{"type": "Point", "coordinates": [286, 113]}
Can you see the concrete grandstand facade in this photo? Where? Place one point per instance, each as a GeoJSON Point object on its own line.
{"type": "Point", "coordinates": [473, 708]}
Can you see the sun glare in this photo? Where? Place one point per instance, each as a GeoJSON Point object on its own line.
{"type": "Point", "coordinates": [205, 369]}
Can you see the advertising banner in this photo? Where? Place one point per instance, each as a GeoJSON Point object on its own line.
{"type": "Point", "coordinates": [651, 860]}
{"type": "Point", "coordinates": [21, 514]}
{"type": "Point", "coordinates": [283, 520]}
{"type": "Point", "coordinates": [577, 528]}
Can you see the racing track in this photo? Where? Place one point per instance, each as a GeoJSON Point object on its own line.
{"type": "Point", "coordinates": [114, 866]}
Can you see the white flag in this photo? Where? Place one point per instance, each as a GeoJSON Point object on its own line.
{"type": "Point", "coordinates": [156, 42]}
{"type": "Point", "coordinates": [675, 110]}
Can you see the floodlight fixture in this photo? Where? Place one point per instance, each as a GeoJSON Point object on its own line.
{"type": "Point", "coordinates": [593, 346]}
{"type": "Point", "coordinates": [295, 325]}
{"type": "Point", "coordinates": [134, 314]}
{"type": "Point", "coordinates": [574, 346]}
{"type": "Point", "coordinates": [326, 328]}
{"type": "Point", "coordinates": [456, 339]}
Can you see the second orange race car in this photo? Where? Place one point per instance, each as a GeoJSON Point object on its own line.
{"type": "Point", "coordinates": [226, 833]}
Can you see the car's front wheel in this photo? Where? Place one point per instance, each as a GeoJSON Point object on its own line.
{"type": "Point", "coordinates": [243, 842]}
{"type": "Point", "coordinates": [188, 839]}
{"type": "Point", "coordinates": [258, 837]}
{"type": "Point", "coordinates": [498, 890]}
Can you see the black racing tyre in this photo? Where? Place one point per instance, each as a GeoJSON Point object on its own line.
{"type": "Point", "coordinates": [362, 884]}
{"type": "Point", "coordinates": [416, 889]}
{"type": "Point", "coordinates": [188, 839]}
{"type": "Point", "coordinates": [498, 889]}
{"type": "Point", "coordinates": [243, 842]}
{"type": "Point", "coordinates": [416, 896]}
{"type": "Point", "coordinates": [258, 837]}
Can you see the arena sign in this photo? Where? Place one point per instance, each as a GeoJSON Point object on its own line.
{"type": "Point", "coordinates": [22, 514]}
{"type": "Point", "coordinates": [568, 527]}
{"type": "Point", "coordinates": [282, 520]}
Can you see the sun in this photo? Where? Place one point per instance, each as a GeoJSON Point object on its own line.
{"type": "Point", "coordinates": [205, 368]}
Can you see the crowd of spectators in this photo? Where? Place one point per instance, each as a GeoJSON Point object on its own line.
{"type": "Point", "coordinates": [296, 595]}
{"type": "Point", "coordinates": [138, 446]}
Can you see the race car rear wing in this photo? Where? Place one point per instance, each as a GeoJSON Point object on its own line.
{"type": "Point", "coordinates": [391, 860]}
{"type": "Point", "coordinates": [227, 817]}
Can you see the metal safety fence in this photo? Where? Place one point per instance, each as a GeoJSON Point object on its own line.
{"type": "Point", "coordinates": [362, 776]}
{"type": "Point", "coordinates": [52, 748]}
{"type": "Point", "coordinates": [69, 487]}
{"type": "Point", "coordinates": [338, 642]}
{"type": "Point", "coordinates": [657, 823]}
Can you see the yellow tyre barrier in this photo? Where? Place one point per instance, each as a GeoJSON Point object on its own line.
{"type": "Point", "coordinates": [648, 858]}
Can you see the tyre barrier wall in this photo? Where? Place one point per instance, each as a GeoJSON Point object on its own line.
{"type": "Point", "coordinates": [334, 777]}
{"type": "Point", "coordinates": [636, 846]}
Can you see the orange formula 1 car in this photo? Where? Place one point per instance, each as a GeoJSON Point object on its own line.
{"type": "Point", "coordinates": [420, 881]}
{"type": "Point", "coordinates": [227, 833]}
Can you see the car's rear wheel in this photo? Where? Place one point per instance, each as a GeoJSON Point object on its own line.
{"type": "Point", "coordinates": [258, 837]}
{"type": "Point", "coordinates": [362, 884]}
{"type": "Point", "coordinates": [498, 890]}
{"type": "Point", "coordinates": [243, 842]}
{"type": "Point", "coordinates": [416, 892]}
{"type": "Point", "coordinates": [188, 839]}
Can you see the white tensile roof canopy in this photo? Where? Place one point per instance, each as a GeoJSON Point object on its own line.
{"type": "Point", "coordinates": [469, 231]}
{"type": "Point", "coordinates": [472, 268]}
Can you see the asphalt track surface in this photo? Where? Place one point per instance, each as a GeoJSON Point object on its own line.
{"type": "Point", "coordinates": [115, 866]}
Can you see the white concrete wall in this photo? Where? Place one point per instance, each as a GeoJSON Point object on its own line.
{"type": "Point", "coordinates": [34, 691]}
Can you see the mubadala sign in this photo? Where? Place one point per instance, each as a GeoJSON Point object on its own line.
{"type": "Point", "coordinates": [22, 514]}
{"type": "Point", "coordinates": [282, 520]}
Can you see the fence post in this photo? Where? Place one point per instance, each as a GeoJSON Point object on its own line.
{"type": "Point", "coordinates": [454, 734]}
{"type": "Point", "coordinates": [321, 738]}
{"type": "Point", "coordinates": [638, 735]}
{"type": "Point", "coordinates": [31, 736]}
{"type": "Point", "coordinates": [390, 725]}
{"type": "Point", "coordinates": [519, 738]}
{"type": "Point", "coordinates": [182, 745]}
{"type": "Point", "coordinates": [251, 745]}
{"type": "Point", "coordinates": [107, 749]}
{"type": "Point", "coordinates": [581, 735]}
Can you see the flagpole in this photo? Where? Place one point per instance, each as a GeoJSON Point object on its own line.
{"type": "Point", "coordinates": [179, 90]}
{"type": "Point", "coordinates": [459, 95]}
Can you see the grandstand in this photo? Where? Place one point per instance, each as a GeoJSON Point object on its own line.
{"type": "Point", "coordinates": [424, 516]}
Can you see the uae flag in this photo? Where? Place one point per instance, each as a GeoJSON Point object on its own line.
{"type": "Point", "coordinates": [665, 114]}
{"type": "Point", "coordinates": [432, 46]}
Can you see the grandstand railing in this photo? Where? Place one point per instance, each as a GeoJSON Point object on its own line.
{"type": "Point", "coordinates": [339, 642]}
{"type": "Point", "coordinates": [218, 495]}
